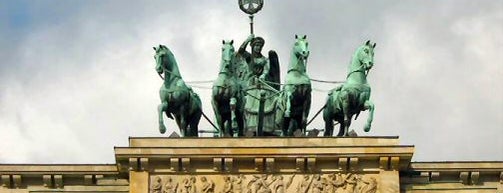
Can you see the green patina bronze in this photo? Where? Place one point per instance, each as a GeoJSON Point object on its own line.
{"type": "Point", "coordinates": [227, 98]}
{"type": "Point", "coordinates": [246, 95]}
{"type": "Point", "coordinates": [177, 99]}
{"type": "Point", "coordinates": [353, 96]}
{"type": "Point", "coordinates": [297, 89]}
{"type": "Point", "coordinates": [261, 84]}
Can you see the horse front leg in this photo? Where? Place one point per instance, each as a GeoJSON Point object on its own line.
{"type": "Point", "coordinates": [218, 117]}
{"type": "Point", "coordinates": [346, 113]}
{"type": "Point", "coordinates": [183, 126]}
{"type": "Point", "coordinates": [305, 111]}
{"type": "Point", "coordinates": [163, 107]}
{"type": "Point", "coordinates": [182, 120]}
{"type": "Point", "coordinates": [284, 126]}
{"type": "Point", "coordinates": [293, 125]}
{"type": "Point", "coordinates": [178, 121]}
{"type": "Point", "coordinates": [329, 116]}
{"type": "Point", "coordinates": [342, 127]}
{"type": "Point", "coordinates": [194, 123]}
{"type": "Point", "coordinates": [347, 123]}
{"type": "Point", "coordinates": [329, 121]}
{"type": "Point", "coordinates": [289, 124]}
{"type": "Point", "coordinates": [239, 119]}
{"type": "Point", "coordinates": [288, 111]}
{"type": "Point", "coordinates": [232, 123]}
{"type": "Point", "coordinates": [370, 106]}
{"type": "Point", "coordinates": [227, 124]}
{"type": "Point", "coordinates": [194, 114]}
{"type": "Point", "coordinates": [329, 128]}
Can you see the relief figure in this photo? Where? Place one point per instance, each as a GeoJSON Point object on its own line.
{"type": "Point", "coordinates": [227, 185]}
{"type": "Point", "coordinates": [237, 184]}
{"type": "Point", "coordinates": [208, 185]}
{"type": "Point", "coordinates": [156, 185]}
{"type": "Point", "coordinates": [280, 186]}
{"type": "Point", "coordinates": [367, 185]}
{"type": "Point", "coordinates": [170, 186]}
{"type": "Point", "coordinates": [317, 184]}
{"type": "Point", "coordinates": [304, 185]}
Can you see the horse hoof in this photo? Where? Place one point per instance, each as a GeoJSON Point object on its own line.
{"type": "Point", "coordinates": [162, 129]}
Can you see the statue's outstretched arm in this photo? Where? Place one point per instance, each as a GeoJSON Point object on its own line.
{"type": "Point", "coordinates": [242, 48]}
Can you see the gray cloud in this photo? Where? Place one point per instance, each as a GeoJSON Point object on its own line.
{"type": "Point", "coordinates": [77, 80]}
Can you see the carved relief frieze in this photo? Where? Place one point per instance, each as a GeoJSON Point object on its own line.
{"type": "Point", "coordinates": [265, 183]}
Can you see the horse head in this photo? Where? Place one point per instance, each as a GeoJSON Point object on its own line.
{"type": "Point", "coordinates": [227, 55]}
{"type": "Point", "coordinates": [365, 56]}
{"type": "Point", "coordinates": [165, 62]}
{"type": "Point", "coordinates": [299, 54]}
{"type": "Point", "coordinates": [161, 57]}
{"type": "Point", "coordinates": [300, 48]}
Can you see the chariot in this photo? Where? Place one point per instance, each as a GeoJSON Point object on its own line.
{"type": "Point", "coordinates": [262, 109]}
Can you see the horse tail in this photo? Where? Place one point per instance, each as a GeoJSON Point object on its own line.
{"type": "Point", "coordinates": [329, 110]}
{"type": "Point", "coordinates": [195, 101]}
{"type": "Point", "coordinates": [308, 89]}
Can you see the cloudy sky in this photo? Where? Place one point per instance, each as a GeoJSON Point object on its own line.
{"type": "Point", "coordinates": [77, 77]}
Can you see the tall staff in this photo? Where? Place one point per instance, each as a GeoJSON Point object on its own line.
{"type": "Point", "coordinates": [251, 7]}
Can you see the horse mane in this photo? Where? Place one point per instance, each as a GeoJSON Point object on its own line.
{"type": "Point", "coordinates": [291, 64]}
{"type": "Point", "coordinates": [355, 59]}
{"type": "Point", "coordinates": [231, 66]}
{"type": "Point", "coordinates": [174, 65]}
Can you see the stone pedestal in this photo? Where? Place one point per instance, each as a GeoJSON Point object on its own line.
{"type": "Point", "coordinates": [368, 164]}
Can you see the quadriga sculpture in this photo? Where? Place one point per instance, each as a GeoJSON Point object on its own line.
{"type": "Point", "coordinates": [226, 94]}
{"type": "Point", "coordinates": [353, 96]}
{"type": "Point", "coordinates": [178, 101]}
{"type": "Point", "coordinates": [297, 89]}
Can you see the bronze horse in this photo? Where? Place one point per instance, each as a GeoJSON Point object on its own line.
{"type": "Point", "coordinates": [177, 99]}
{"type": "Point", "coordinates": [227, 96]}
{"type": "Point", "coordinates": [353, 96]}
{"type": "Point", "coordinates": [297, 89]}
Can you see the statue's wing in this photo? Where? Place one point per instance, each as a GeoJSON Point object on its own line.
{"type": "Point", "coordinates": [274, 73]}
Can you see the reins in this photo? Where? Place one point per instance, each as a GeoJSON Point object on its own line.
{"type": "Point", "coordinates": [166, 70]}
